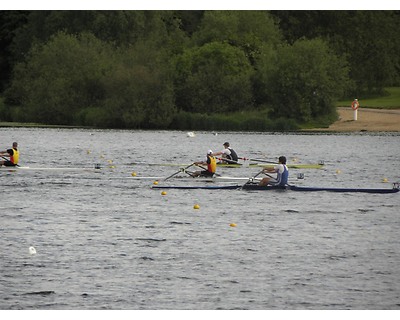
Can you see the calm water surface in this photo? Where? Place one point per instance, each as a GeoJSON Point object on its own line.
{"type": "Point", "coordinates": [107, 241]}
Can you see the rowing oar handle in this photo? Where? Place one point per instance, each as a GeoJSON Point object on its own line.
{"type": "Point", "coordinates": [259, 160]}
{"type": "Point", "coordinates": [180, 170]}
{"type": "Point", "coordinates": [262, 171]}
{"type": "Point", "coordinates": [17, 165]}
{"type": "Point", "coordinates": [229, 161]}
{"type": "Point", "coordinates": [251, 179]}
{"type": "Point", "coordinates": [207, 169]}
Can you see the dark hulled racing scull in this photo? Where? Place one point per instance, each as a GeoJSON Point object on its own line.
{"type": "Point", "coordinates": [256, 187]}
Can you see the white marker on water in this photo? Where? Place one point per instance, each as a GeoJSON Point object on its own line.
{"type": "Point", "coordinates": [32, 250]}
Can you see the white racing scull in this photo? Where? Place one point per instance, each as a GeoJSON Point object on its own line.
{"type": "Point", "coordinates": [192, 179]}
{"type": "Point", "coordinates": [25, 168]}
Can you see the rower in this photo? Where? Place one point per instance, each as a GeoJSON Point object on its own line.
{"type": "Point", "coordinates": [282, 172]}
{"type": "Point", "coordinates": [13, 154]}
{"type": "Point", "coordinates": [211, 164]}
{"type": "Point", "coordinates": [228, 154]}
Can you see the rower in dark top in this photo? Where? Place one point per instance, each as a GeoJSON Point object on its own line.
{"type": "Point", "coordinates": [228, 154]}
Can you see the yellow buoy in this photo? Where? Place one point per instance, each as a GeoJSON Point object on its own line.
{"type": "Point", "coordinates": [385, 180]}
{"type": "Point", "coordinates": [88, 152]}
{"type": "Point", "coordinates": [196, 206]}
{"type": "Point", "coordinates": [155, 182]}
{"type": "Point", "coordinates": [163, 193]}
{"type": "Point", "coordinates": [338, 171]}
{"type": "Point", "coordinates": [133, 174]}
{"type": "Point", "coordinates": [233, 224]}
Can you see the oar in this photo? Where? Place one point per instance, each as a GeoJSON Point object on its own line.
{"type": "Point", "coordinates": [229, 161]}
{"type": "Point", "coordinates": [269, 175]}
{"type": "Point", "coordinates": [259, 160]}
{"type": "Point", "coordinates": [252, 178]}
{"type": "Point", "coordinates": [206, 169]}
{"type": "Point", "coordinates": [181, 170]}
{"type": "Point", "coordinates": [17, 165]}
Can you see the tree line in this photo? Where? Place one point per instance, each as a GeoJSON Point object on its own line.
{"type": "Point", "coordinates": [246, 70]}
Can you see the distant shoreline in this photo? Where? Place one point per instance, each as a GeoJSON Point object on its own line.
{"type": "Point", "coordinates": [370, 120]}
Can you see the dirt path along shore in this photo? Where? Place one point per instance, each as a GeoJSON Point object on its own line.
{"type": "Point", "coordinates": [374, 120]}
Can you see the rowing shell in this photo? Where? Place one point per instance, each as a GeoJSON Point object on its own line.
{"type": "Point", "coordinates": [21, 168]}
{"type": "Point", "coordinates": [293, 165]}
{"type": "Point", "coordinates": [238, 165]}
{"type": "Point", "coordinates": [256, 187]}
{"type": "Point", "coordinates": [231, 187]}
{"type": "Point", "coordinates": [315, 189]}
{"type": "Point", "coordinates": [197, 179]}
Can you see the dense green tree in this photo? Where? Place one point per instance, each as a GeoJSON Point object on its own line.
{"type": "Point", "coordinates": [368, 39]}
{"type": "Point", "coordinates": [372, 48]}
{"type": "Point", "coordinates": [139, 91]}
{"type": "Point", "coordinates": [248, 30]}
{"type": "Point", "coordinates": [254, 32]}
{"type": "Point", "coordinates": [251, 32]}
{"type": "Point", "coordinates": [83, 80]}
{"type": "Point", "coordinates": [215, 77]}
{"type": "Point", "coordinates": [94, 81]}
{"type": "Point", "coordinates": [264, 67]}
{"type": "Point", "coordinates": [61, 77]}
{"type": "Point", "coordinates": [9, 22]}
{"type": "Point", "coordinates": [135, 69]}
{"type": "Point", "coordinates": [122, 28]}
{"type": "Point", "coordinates": [189, 20]}
{"type": "Point", "coordinates": [305, 81]}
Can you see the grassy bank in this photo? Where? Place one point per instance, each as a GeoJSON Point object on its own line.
{"type": "Point", "coordinates": [389, 101]}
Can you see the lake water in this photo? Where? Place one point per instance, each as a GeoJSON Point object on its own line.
{"type": "Point", "coordinates": [107, 241]}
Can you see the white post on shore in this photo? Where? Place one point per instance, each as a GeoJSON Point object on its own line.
{"type": "Point", "coordinates": [355, 105]}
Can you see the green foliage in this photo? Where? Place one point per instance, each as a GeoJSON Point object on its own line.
{"type": "Point", "coordinates": [249, 31]}
{"type": "Point", "coordinates": [140, 96]}
{"type": "Point", "coordinates": [61, 77]}
{"type": "Point", "coordinates": [375, 61]}
{"type": "Point", "coordinates": [238, 121]}
{"type": "Point", "coordinates": [122, 28]}
{"type": "Point", "coordinates": [9, 22]}
{"type": "Point", "coordinates": [4, 112]}
{"type": "Point", "coordinates": [369, 40]}
{"type": "Point", "coordinates": [213, 78]}
{"type": "Point", "coordinates": [193, 69]}
{"type": "Point", "coordinates": [389, 100]}
{"type": "Point", "coordinates": [189, 20]}
{"type": "Point", "coordinates": [306, 80]}
{"type": "Point", "coordinates": [96, 117]}
{"type": "Point", "coordinates": [82, 80]}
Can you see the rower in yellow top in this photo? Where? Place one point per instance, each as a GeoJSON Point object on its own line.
{"type": "Point", "coordinates": [211, 164]}
{"type": "Point", "coordinates": [13, 154]}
